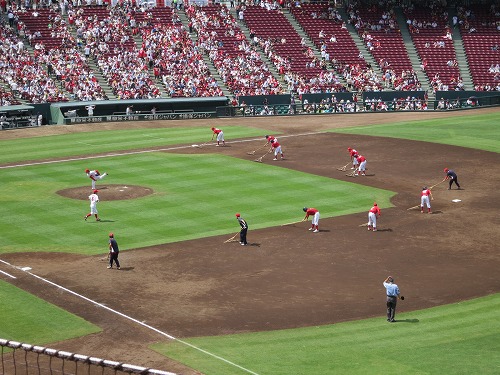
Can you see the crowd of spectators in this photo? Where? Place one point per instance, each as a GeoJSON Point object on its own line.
{"type": "Point", "coordinates": [235, 58]}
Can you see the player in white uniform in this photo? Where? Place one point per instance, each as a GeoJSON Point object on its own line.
{"type": "Point", "coordinates": [94, 176]}
{"type": "Point", "coordinates": [93, 198]}
{"type": "Point", "coordinates": [424, 199]}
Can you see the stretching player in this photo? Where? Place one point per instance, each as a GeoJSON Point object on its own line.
{"type": "Point", "coordinates": [94, 175]}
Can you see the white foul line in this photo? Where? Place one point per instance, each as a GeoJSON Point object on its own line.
{"type": "Point", "coordinates": [8, 274]}
{"type": "Point", "coordinates": [135, 152]}
{"type": "Point", "coordinates": [24, 269]}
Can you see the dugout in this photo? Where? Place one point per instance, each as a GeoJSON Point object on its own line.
{"type": "Point", "coordinates": [142, 109]}
{"type": "Point", "coordinates": [467, 99]}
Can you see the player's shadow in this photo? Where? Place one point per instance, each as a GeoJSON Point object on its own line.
{"type": "Point", "coordinates": [254, 244]}
{"type": "Point", "coordinates": [384, 230]}
{"type": "Point", "coordinates": [106, 221]}
{"type": "Point", "coordinates": [127, 268]}
{"type": "Point", "coordinates": [407, 321]}
{"type": "Point", "coordinates": [436, 212]}
{"type": "Point", "coordinates": [324, 230]}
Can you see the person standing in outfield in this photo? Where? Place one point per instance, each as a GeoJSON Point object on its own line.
{"type": "Point", "coordinates": [93, 198]}
{"type": "Point", "coordinates": [452, 178]}
{"type": "Point", "coordinates": [277, 149]}
{"type": "Point", "coordinates": [113, 252]}
{"type": "Point", "coordinates": [243, 231]}
{"type": "Point", "coordinates": [392, 293]}
{"type": "Point", "coordinates": [354, 157]}
{"type": "Point", "coordinates": [219, 136]}
{"type": "Point", "coordinates": [94, 175]}
{"type": "Point", "coordinates": [362, 165]}
{"type": "Point", "coordinates": [315, 220]}
{"type": "Point", "coordinates": [373, 214]}
{"type": "Point", "coordinates": [424, 199]}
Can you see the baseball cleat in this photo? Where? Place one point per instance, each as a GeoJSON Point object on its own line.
{"type": "Point", "coordinates": [315, 231]}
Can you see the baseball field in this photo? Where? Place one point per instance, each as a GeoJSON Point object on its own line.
{"type": "Point", "coordinates": [292, 301]}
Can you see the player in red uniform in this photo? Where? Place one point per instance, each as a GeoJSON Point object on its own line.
{"type": "Point", "coordinates": [372, 217]}
{"type": "Point", "coordinates": [220, 136]}
{"type": "Point", "coordinates": [315, 220]}
{"type": "Point", "coordinates": [354, 157]}
{"type": "Point", "coordinates": [362, 165]}
{"type": "Point", "coordinates": [271, 139]}
{"type": "Point", "coordinates": [277, 150]}
{"type": "Point", "coordinates": [424, 199]}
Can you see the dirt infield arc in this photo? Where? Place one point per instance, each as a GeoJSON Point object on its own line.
{"type": "Point", "coordinates": [289, 277]}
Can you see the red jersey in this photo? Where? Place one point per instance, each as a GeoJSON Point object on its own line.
{"type": "Point", "coordinates": [353, 153]}
{"type": "Point", "coordinates": [311, 212]}
{"type": "Point", "coordinates": [217, 131]}
{"type": "Point", "coordinates": [425, 193]}
{"type": "Point", "coordinates": [375, 210]}
{"type": "Point", "coordinates": [275, 144]}
{"type": "Point", "coordinates": [361, 158]}
{"type": "Point", "coordinates": [272, 139]}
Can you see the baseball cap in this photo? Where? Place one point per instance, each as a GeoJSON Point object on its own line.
{"type": "Point", "coordinates": [238, 215]}
{"type": "Point", "coordinates": [446, 169]}
{"type": "Point", "coordinates": [111, 235]}
{"type": "Point", "coordinates": [87, 170]}
{"type": "Point", "coordinates": [96, 191]}
{"type": "Point", "coordinates": [374, 203]}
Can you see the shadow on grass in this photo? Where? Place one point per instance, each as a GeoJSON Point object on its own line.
{"type": "Point", "coordinates": [407, 321]}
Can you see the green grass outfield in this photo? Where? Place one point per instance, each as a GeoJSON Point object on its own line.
{"type": "Point", "coordinates": [481, 132]}
{"type": "Point", "coordinates": [460, 338]}
{"type": "Point", "coordinates": [26, 318]}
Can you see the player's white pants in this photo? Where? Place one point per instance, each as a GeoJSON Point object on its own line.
{"type": "Point", "coordinates": [424, 201]}
{"type": "Point", "coordinates": [315, 219]}
{"type": "Point", "coordinates": [277, 151]}
{"type": "Point", "coordinates": [362, 166]}
{"type": "Point", "coordinates": [220, 137]}
{"type": "Point", "coordinates": [93, 209]}
{"type": "Point", "coordinates": [372, 219]}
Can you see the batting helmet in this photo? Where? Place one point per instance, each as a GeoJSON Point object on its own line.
{"type": "Point", "coordinates": [446, 170]}
{"type": "Point", "coordinates": [304, 209]}
{"type": "Point", "coordinates": [87, 170]}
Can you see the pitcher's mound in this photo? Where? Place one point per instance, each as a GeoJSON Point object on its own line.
{"type": "Point", "coordinates": [107, 192]}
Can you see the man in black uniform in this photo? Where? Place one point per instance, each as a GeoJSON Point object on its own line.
{"type": "Point", "coordinates": [113, 252]}
{"type": "Point", "coordinates": [452, 178]}
{"type": "Point", "coordinates": [243, 231]}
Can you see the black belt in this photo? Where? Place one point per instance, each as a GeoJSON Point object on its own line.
{"type": "Point", "coordinates": [393, 296]}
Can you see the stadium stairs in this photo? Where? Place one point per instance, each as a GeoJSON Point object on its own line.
{"type": "Point", "coordinates": [211, 68]}
{"type": "Point", "coordinates": [359, 43]}
{"type": "Point", "coordinates": [463, 64]}
{"type": "Point", "coordinates": [263, 56]}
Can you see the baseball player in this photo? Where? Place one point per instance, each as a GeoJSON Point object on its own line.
{"type": "Point", "coordinates": [220, 136]}
{"type": "Point", "coordinates": [90, 110]}
{"type": "Point", "coordinates": [277, 149]}
{"type": "Point", "coordinates": [362, 165]}
{"type": "Point", "coordinates": [354, 157]}
{"type": "Point", "coordinates": [424, 199]}
{"type": "Point", "coordinates": [243, 231]}
{"type": "Point", "coordinates": [372, 217]}
{"type": "Point", "coordinates": [93, 198]}
{"type": "Point", "coordinates": [113, 252]}
{"type": "Point", "coordinates": [94, 175]}
{"type": "Point", "coordinates": [452, 178]}
{"type": "Point", "coordinates": [315, 220]}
